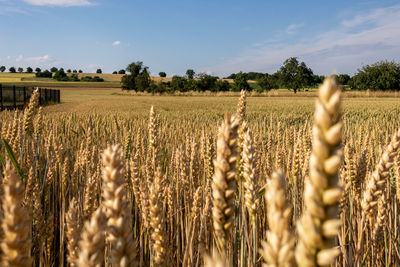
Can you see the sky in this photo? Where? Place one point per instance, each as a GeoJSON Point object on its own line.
{"type": "Point", "coordinates": [217, 37]}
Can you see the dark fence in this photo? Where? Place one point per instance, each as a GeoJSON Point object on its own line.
{"type": "Point", "coordinates": [13, 97]}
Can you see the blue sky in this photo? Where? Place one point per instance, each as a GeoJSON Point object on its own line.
{"type": "Point", "coordinates": [212, 36]}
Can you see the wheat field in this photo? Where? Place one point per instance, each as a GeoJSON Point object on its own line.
{"type": "Point", "coordinates": [201, 181]}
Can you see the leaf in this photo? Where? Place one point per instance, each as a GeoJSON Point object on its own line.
{"type": "Point", "coordinates": [3, 162]}
{"type": "Point", "coordinates": [13, 159]}
{"type": "Point", "coordinates": [261, 192]}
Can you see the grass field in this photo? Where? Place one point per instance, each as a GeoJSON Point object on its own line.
{"type": "Point", "coordinates": [185, 179]}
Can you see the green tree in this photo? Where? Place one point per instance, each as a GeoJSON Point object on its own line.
{"type": "Point", "coordinates": [53, 69]}
{"type": "Point", "coordinates": [38, 70]}
{"type": "Point", "coordinates": [190, 73]}
{"type": "Point", "coordinates": [382, 75]}
{"type": "Point", "coordinates": [3, 68]}
{"type": "Point", "coordinates": [75, 71]}
{"type": "Point", "coordinates": [295, 75]}
{"type": "Point", "coordinates": [267, 82]}
{"type": "Point", "coordinates": [121, 72]}
{"type": "Point", "coordinates": [134, 69]}
{"type": "Point", "coordinates": [115, 72]}
{"type": "Point", "coordinates": [20, 70]}
{"type": "Point", "coordinates": [12, 70]}
{"type": "Point", "coordinates": [208, 82]}
{"type": "Point", "coordinates": [80, 71]}
{"type": "Point", "coordinates": [343, 79]}
{"type": "Point", "coordinates": [60, 75]}
{"type": "Point", "coordinates": [162, 74]}
{"type": "Point", "coordinates": [179, 83]}
{"type": "Point", "coordinates": [142, 81]}
{"type": "Point", "coordinates": [240, 82]}
{"type": "Point", "coordinates": [99, 71]}
{"type": "Point", "coordinates": [29, 70]}
{"type": "Point", "coordinates": [69, 70]}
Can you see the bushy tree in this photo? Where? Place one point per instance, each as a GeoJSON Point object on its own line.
{"type": "Point", "coordinates": [129, 81]}
{"type": "Point", "coordinates": [20, 70]}
{"type": "Point", "coordinates": [29, 70]}
{"type": "Point", "coordinates": [207, 82]}
{"type": "Point", "coordinates": [115, 72]}
{"type": "Point", "coordinates": [75, 71]}
{"type": "Point", "coordinates": [38, 70]}
{"type": "Point", "coordinates": [12, 70]}
{"type": "Point", "coordinates": [240, 82]}
{"type": "Point", "coordinates": [383, 75]}
{"type": "Point", "coordinates": [190, 73]}
{"type": "Point", "coordinates": [99, 71]}
{"type": "Point", "coordinates": [267, 82]}
{"type": "Point", "coordinates": [80, 71]}
{"type": "Point", "coordinates": [162, 74]}
{"type": "Point", "coordinates": [60, 75]}
{"type": "Point", "coordinates": [3, 68]}
{"type": "Point", "coordinates": [295, 75]}
{"type": "Point", "coordinates": [343, 79]}
{"type": "Point", "coordinates": [222, 86]}
{"type": "Point", "coordinates": [178, 83]}
{"type": "Point", "coordinates": [44, 74]}
{"type": "Point", "coordinates": [121, 72]}
{"type": "Point", "coordinates": [53, 69]}
{"type": "Point", "coordinates": [69, 71]}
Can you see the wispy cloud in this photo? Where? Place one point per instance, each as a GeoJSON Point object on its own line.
{"type": "Point", "coordinates": [362, 39]}
{"type": "Point", "coordinates": [292, 28]}
{"type": "Point", "coordinates": [39, 60]}
{"type": "Point", "coordinates": [116, 43]}
{"type": "Point", "coordinates": [19, 58]}
{"type": "Point", "coordinates": [65, 3]}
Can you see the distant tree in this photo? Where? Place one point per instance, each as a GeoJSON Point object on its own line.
{"type": "Point", "coordinates": [80, 71]}
{"type": "Point", "coordinates": [267, 82]}
{"type": "Point", "coordinates": [178, 83]}
{"type": "Point", "coordinates": [240, 82]}
{"type": "Point", "coordinates": [29, 70]}
{"type": "Point", "coordinates": [142, 81]}
{"type": "Point", "coordinates": [121, 72]}
{"type": "Point", "coordinates": [134, 69]}
{"type": "Point", "coordinates": [222, 86]}
{"type": "Point", "coordinates": [318, 79]}
{"type": "Point", "coordinates": [99, 71]}
{"type": "Point", "coordinates": [20, 70]}
{"type": "Point", "coordinates": [295, 75]}
{"type": "Point", "coordinates": [382, 75]}
{"type": "Point", "coordinates": [60, 75]}
{"type": "Point", "coordinates": [162, 74]}
{"type": "Point", "coordinates": [53, 69]}
{"type": "Point", "coordinates": [115, 72]}
{"type": "Point", "coordinates": [38, 70]}
{"type": "Point", "coordinates": [12, 70]}
{"type": "Point", "coordinates": [232, 76]}
{"type": "Point", "coordinates": [44, 74]}
{"type": "Point", "coordinates": [343, 79]}
{"type": "Point", "coordinates": [3, 68]}
{"type": "Point", "coordinates": [255, 75]}
{"type": "Point", "coordinates": [207, 82]}
{"type": "Point", "coordinates": [69, 71]}
{"type": "Point", "coordinates": [75, 71]}
{"type": "Point", "coordinates": [190, 73]}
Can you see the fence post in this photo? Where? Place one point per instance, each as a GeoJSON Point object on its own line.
{"type": "Point", "coordinates": [24, 95]}
{"type": "Point", "coordinates": [1, 97]}
{"type": "Point", "coordinates": [15, 98]}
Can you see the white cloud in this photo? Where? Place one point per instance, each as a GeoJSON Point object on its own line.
{"type": "Point", "coordinates": [39, 60]}
{"type": "Point", "coordinates": [292, 28]}
{"type": "Point", "coordinates": [116, 43]}
{"type": "Point", "coordinates": [19, 58]}
{"type": "Point", "coordinates": [59, 2]}
{"type": "Point", "coordinates": [363, 39]}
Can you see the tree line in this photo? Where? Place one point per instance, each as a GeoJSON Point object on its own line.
{"type": "Point", "coordinates": [292, 75]}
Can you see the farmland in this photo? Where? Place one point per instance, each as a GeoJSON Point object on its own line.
{"type": "Point", "coordinates": [160, 187]}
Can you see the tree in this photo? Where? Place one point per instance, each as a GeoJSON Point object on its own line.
{"type": "Point", "coordinates": [128, 81]}
{"type": "Point", "coordinates": [162, 74]}
{"type": "Point", "coordinates": [53, 69]}
{"type": "Point", "coordinates": [240, 82]}
{"type": "Point", "coordinates": [267, 82]}
{"type": "Point", "coordinates": [382, 75]}
{"type": "Point", "coordinates": [44, 74]}
{"type": "Point", "coordinates": [3, 68]}
{"type": "Point", "coordinates": [29, 70]}
{"type": "Point", "coordinates": [69, 71]}
{"type": "Point", "coordinates": [74, 71]}
{"type": "Point", "coordinates": [207, 82]}
{"type": "Point", "coordinates": [343, 79]}
{"type": "Point", "coordinates": [20, 70]}
{"type": "Point", "coordinates": [38, 70]}
{"type": "Point", "coordinates": [99, 71]}
{"type": "Point", "coordinates": [178, 83]}
{"type": "Point", "coordinates": [295, 75]}
{"type": "Point", "coordinates": [142, 81]}
{"type": "Point", "coordinates": [60, 75]}
{"type": "Point", "coordinates": [12, 70]}
{"type": "Point", "coordinates": [115, 72]}
{"type": "Point", "coordinates": [80, 71]}
{"type": "Point", "coordinates": [121, 72]}
{"type": "Point", "coordinates": [190, 73]}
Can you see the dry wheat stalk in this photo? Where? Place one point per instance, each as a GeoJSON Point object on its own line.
{"type": "Point", "coordinates": [319, 224]}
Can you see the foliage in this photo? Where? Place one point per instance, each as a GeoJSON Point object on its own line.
{"type": "Point", "coordinates": [29, 70]}
{"type": "Point", "coordinates": [383, 75]}
{"type": "Point", "coordinates": [137, 79]}
{"type": "Point", "coordinates": [190, 73]}
{"type": "Point", "coordinates": [20, 70]}
{"type": "Point", "coordinates": [38, 70]}
{"type": "Point", "coordinates": [99, 71]}
{"type": "Point", "coordinates": [343, 79]}
{"type": "Point", "coordinates": [295, 75]}
{"type": "Point", "coordinates": [121, 72]}
{"type": "Point", "coordinates": [44, 74]}
{"type": "Point", "coordinates": [240, 82]}
{"type": "Point", "coordinates": [69, 71]}
{"type": "Point", "coordinates": [92, 79]}
{"type": "Point", "coordinates": [3, 68]}
{"type": "Point", "coordinates": [53, 69]}
{"type": "Point", "coordinates": [267, 82]}
{"type": "Point", "coordinates": [162, 74]}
